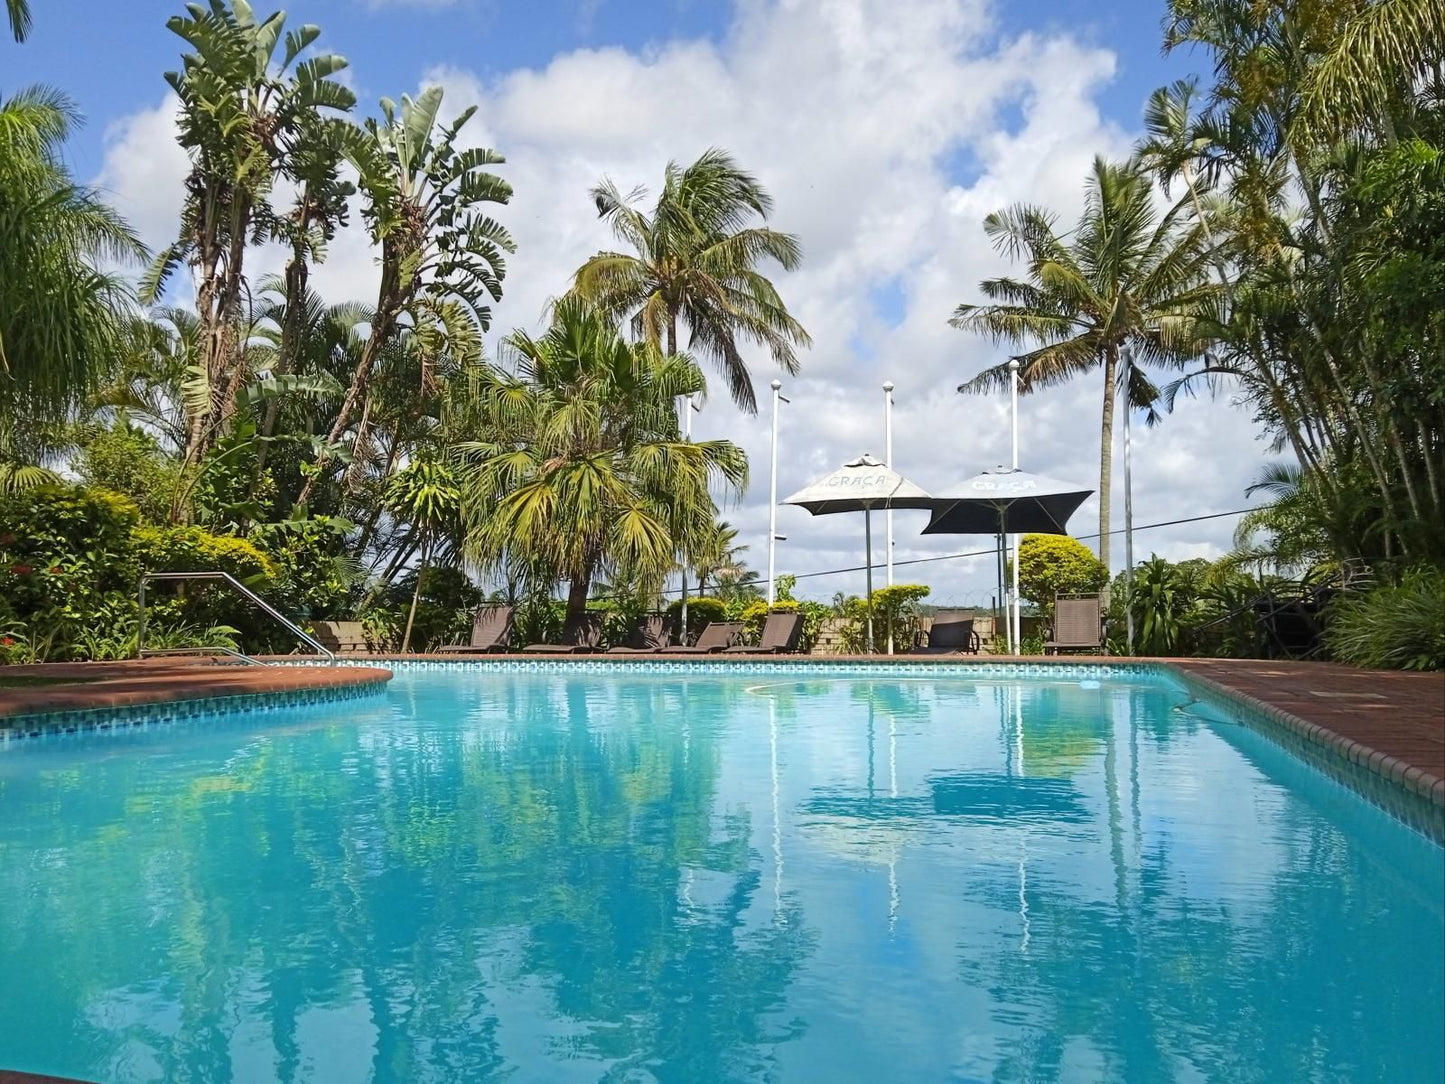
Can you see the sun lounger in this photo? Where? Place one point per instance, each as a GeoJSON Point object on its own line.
{"type": "Point", "coordinates": [491, 631]}
{"type": "Point", "coordinates": [1078, 625]}
{"type": "Point", "coordinates": [342, 637]}
{"type": "Point", "coordinates": [648, 637]}
{"type": "Point", "coordinates": [952, 633]}
{"type": "Point", "coordinates": [578, 638]}
{"type": "Point", "coordinates": [715, 637]}
{"type": "Point", "coordinates": [781, 633]}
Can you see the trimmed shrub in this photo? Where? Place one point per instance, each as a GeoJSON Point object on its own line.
{"type": "Point", "coordinates": [701, 611]}
{"type": "Point", "coordinates": [1055, 564]}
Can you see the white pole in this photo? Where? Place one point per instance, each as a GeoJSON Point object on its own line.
{"type": "Point", "coordinates": [1016, 621]}
{"type": "Point", "coordinates": [868, 549]}
{"type": "Point", "coordinates": [1128, 508]}
{"type": "Point", "coordinates": [888, 458]}
{"type": "Point", "coordinates": [773, 499]}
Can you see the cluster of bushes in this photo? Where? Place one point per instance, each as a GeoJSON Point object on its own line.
{"type": "Point", "coordinates": [70, 562]}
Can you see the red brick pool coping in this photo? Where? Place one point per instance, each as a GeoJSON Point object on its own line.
{"type": "Point", "coordinates": [161, 681]}
{"type": "Point", "coordinates": [1391, 723]}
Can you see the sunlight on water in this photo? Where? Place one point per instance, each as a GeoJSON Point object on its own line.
{"type": "Point", "coordinates": [550, 877]}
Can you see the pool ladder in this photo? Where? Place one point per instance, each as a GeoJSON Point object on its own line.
{"type": "Point", "coordinates": [265, 606]}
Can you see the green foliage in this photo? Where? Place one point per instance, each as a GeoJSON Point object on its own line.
{"type": "Point", "coordinates": [1055, 564]}
{"type": "Point", "coordinates": [193, 549]}
{"type": "Point", "coordinates": [1395, 626]}
{"type": "Point", "coordinates": [701, 610]}
{"type": "Point", "coordinates": [129, 461]}
{"type": "Point", "coordinates": [61, 306]}
{"type": "Point", "coordinates": [1163, 598]}
{"type": "Point", "coordinates": [316, 578]}
{"type": "Point", "coordinates": [898, 604]}
{"type": "Point", "coordinates": [445, 607]}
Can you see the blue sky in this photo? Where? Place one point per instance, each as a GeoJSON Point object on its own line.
{"type": "Point", "coordinates": [111, 57]}
{"type": "Point", "coordinates": [885, 129]}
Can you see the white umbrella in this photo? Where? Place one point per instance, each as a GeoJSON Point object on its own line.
{"type": "Point", "coordinates": [862, 485]}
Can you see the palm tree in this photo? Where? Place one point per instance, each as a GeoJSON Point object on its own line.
{"type": "Point", "coordinates": [62, 313]}
{"type": "Point", "coordinates": [241, 120]}
{"type": "Point", "coordinates": [1126, 277]}
{"type": "Point", "coordinates": [439, 250]}
{"type": "Point", "coordinates": [719, 558]}
{"type": "Point", "coordinates": [19, 15]}
{"type": "Point", "coordinates": [585, 470]}
{"type": "Point", "coordinates": [425, 494]}
{"type": "Point", "coordinates": [694, 260]}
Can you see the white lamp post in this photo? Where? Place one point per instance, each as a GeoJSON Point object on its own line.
{"type": "Point", "coordinates": [778, 397]}
{"type": "Point", "coordinates": [1015, 622]}
{"type": "Point", "coordinates": [888, 461]}
{"type": "Point", "coordinates": [1128, 508]}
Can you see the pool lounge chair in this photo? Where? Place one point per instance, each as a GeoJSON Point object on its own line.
{"type": "Point", "coordinates": [491, 632]}
{"type": "Point", "coordinates": [578, 638]}
{"type": "Point", "coordinates": [649, 636]}
{"type": "Point", "coordinates": [342, 637]}
{"type": "Point", "coordinates": [717, 636]}
{"type": "Point", "coordinates": [781, 633]}
{"type": "Point", "coordinates": [1078, 625]}
{"type": "Point", "coordinates": [952, 633]}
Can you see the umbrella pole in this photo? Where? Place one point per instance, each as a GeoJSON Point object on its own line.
{"type": "Point", "coordinates": [1002, 598]}
{"type": "Point", "coordinates": [868, 543]}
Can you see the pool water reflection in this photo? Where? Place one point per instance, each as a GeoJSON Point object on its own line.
{"type": "Point", "coordinates": [701, 878]}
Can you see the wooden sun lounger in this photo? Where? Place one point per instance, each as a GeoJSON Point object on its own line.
{"type": "Point", "coordinates": [716, 637]}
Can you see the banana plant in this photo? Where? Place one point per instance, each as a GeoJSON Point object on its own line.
{"type": "Point", "coordinates": [424, 204]}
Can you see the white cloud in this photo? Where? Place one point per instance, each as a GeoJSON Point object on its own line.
{"type": "Point", "coordinates": [850, 111]}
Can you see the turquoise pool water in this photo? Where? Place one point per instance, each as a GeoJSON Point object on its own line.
{"type": "Point", "coordinates": [557, 877]}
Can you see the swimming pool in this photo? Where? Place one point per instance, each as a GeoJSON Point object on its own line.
{"type": "Point", "coordinates": [567, 875]}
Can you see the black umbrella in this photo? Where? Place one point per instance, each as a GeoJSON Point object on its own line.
{"type": "Point", "coordinates": [1006, 501]}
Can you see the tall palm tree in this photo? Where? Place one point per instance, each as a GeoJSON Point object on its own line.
{"type": "Point", "coordinates": [426, 495]}
{"type": "Point", "coordinates": [694, 261]}
{"type": "Point", "coordinates": [425, 208]}
{"type": "Point", "coordinates": [584, 470]}
{"type": "Point", "coordinates": [62, 312]}
{"type": "Point", "coordinates": [1126, 277]}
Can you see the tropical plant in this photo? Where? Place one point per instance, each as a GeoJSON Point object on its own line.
{"type": "Point", "coordinates": [1396, 626]}
{"type": "Point", "coordinates": [694, 261]}
{"type": "Point", "coordinates": [424, 494]}
{"type": "Point", "coordinates": [242, 115]}
{"type": "Point", "coordinates": [1125, 278]}
{"type": "Point", "coordinates": [62, 308]}
{"type": "Point", "coordinates": [1055, 564]}
{"type": "Point", "coordinates": [442, 255]}
{"type": "Point", "coordinates": [583, 469]}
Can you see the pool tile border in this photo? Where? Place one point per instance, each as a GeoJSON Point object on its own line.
{"type": "Point", "coordinates": [117, 719]}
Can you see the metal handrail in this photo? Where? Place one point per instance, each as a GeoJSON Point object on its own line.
{"type": "Point", "coordinates": [257, 599]}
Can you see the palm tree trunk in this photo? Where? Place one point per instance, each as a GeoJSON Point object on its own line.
{"type": "Point", "coordinates": [297, 274]}
{"type": "Point", "coordinates": [1106, 449]}
{"type": "Point", "coordinates": [416, 595]}
{"type": "Point", "coordinates": [577, 591]}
